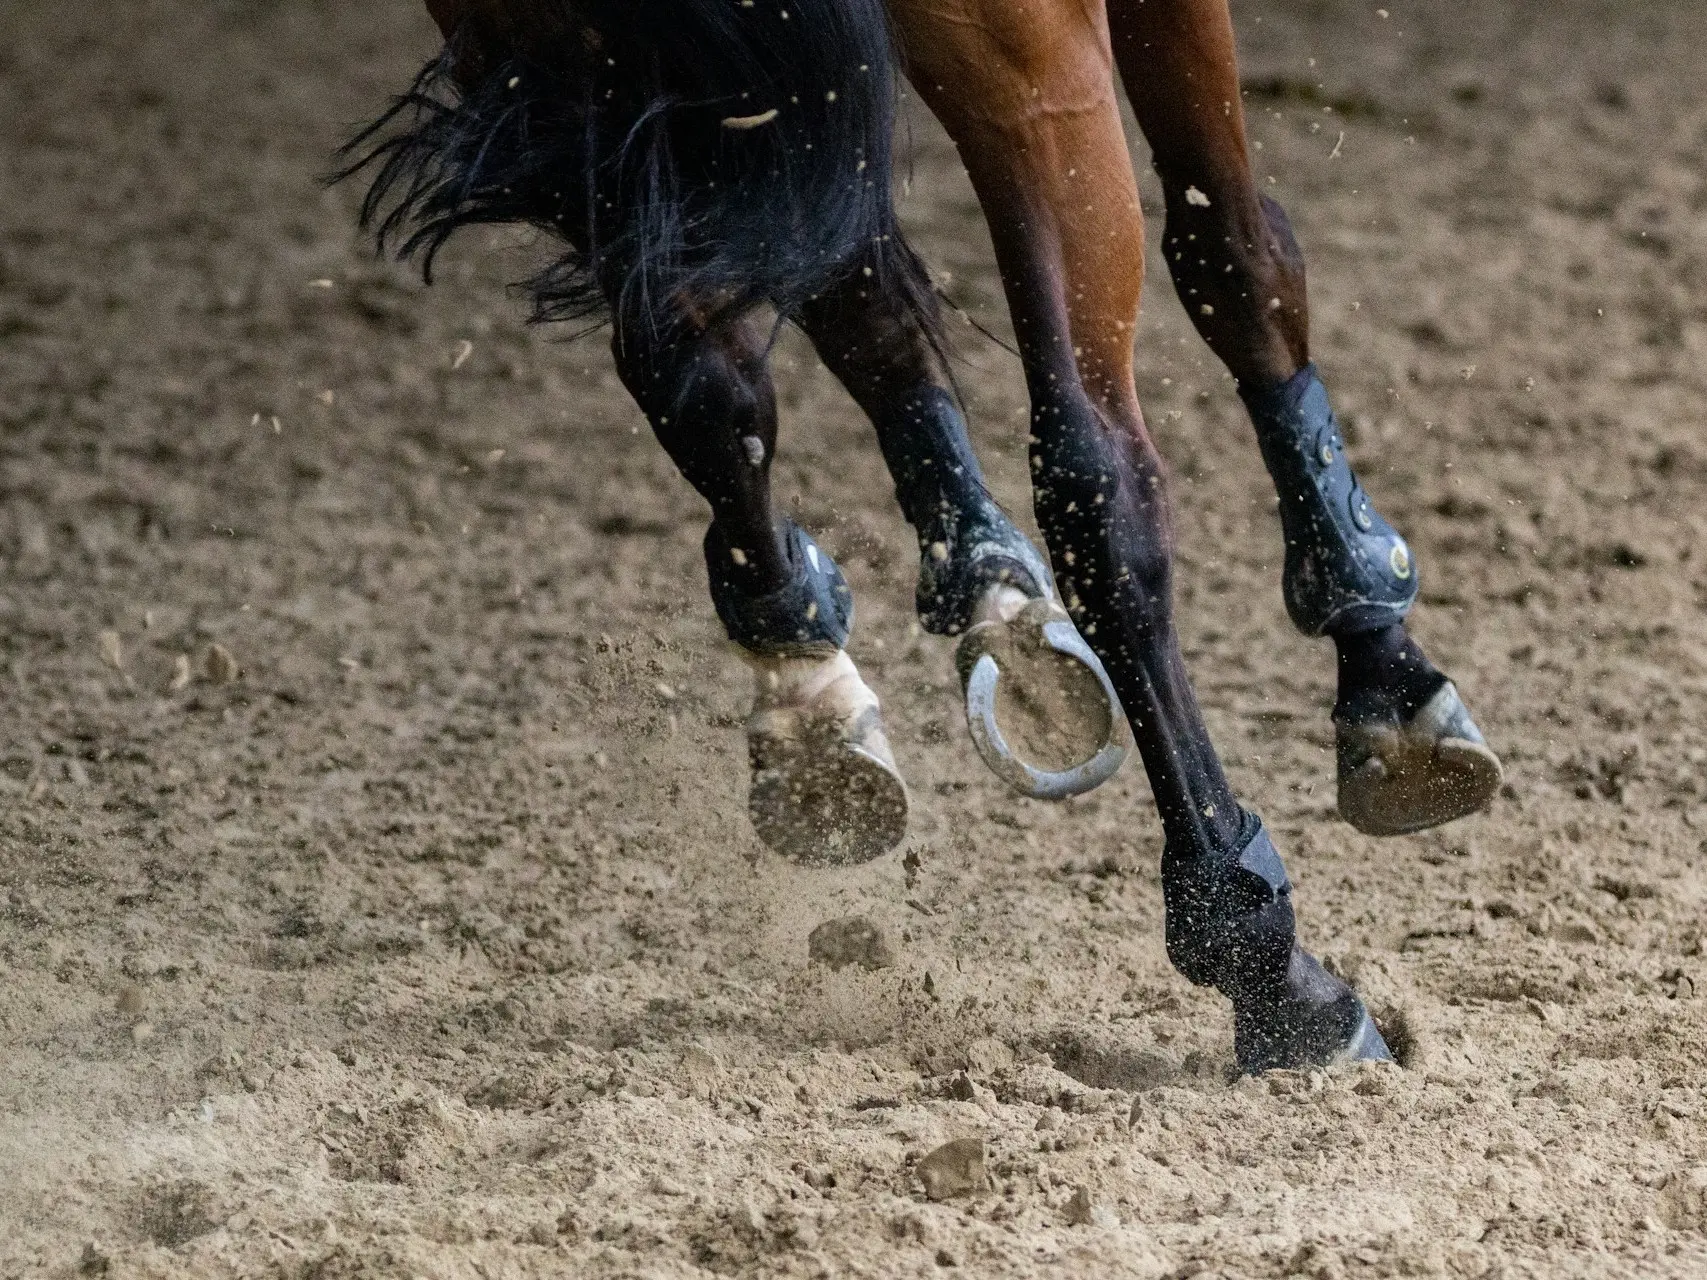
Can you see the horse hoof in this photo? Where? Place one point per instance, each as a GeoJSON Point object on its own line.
{"type": "Point", "coordinates": [1367, 1044]}
{"type": "Point", "coordinates": [1323, 1035]}
{"type": "Point", "coordinates": [825, 790]}
{"type": "Point", "coordinates": [1398, 778]}
{"type": "Point", "coordinates": [1041, 709]}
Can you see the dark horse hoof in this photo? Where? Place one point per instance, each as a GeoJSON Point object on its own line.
{"type": "Point", "coordinates": [1398, 778]}
{"type": "Point", "coordinates": [1319, 1022]}
{"type": "Point", "coordinates": [1041, 709]}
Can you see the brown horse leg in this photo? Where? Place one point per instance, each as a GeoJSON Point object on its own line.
{"type": "Point", "coordinates": [1410, 756]}
{"type": "Point", "coordinates": [1027, 93]}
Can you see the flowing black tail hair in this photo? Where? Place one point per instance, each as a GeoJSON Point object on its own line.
{"type": "Point", "coordinates": [707, 154]}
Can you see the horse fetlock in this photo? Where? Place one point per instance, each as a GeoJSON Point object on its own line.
{"type": "Point", "coordinates": [967, 544]}
{"type": "Point", "coordinates": [824, 787]}
{"type": "Point", "coordinates": [1400, 776]}
{"type": "Point", "coordinates": [1316, 1020]}
{"type": "Point", "coordinates": [1346, 568]}
{"type": "Point", "coordinates": [811, 613]}
{"type": "Point", "coordinates": [1229, 919]}
{"type": "Point", "coordinates": [967, 555]}
{"type": "Point", "coordinates": [1230, 925]}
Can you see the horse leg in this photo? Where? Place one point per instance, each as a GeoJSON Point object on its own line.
{"type": "Point", "coordinates": [1055, 729]}
{"type": "Point", "coordinates": [1409, 755]}
{"type": "Point", "coordinates": [1027, 93]}
{"type": "Point", "coordinates": [824, 787]}
{"type": "Point", "coordinates": [604, 123]}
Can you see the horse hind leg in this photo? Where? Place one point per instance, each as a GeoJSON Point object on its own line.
{"type": "Point", "coordinates": [1409, 755]}
{"type": "Point", "coordinates": [824, 788]}
{"type": "Point", "coordinates": [1039, 705]}
{"type": "Point", "coordinates": [497, 129]}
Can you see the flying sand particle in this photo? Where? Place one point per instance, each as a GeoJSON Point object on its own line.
{"type": "Point", "coordinates": [218, 665]}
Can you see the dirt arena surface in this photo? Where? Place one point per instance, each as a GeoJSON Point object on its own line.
{"type": "Point", "coordinates": [417, 930]}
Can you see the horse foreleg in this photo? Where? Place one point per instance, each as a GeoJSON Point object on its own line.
{"type": "Point", "coordinates": [1409, 754]}
{"type": "Point", "coordinates": [1027, 93]}
{"type": "Point", "coordinates": [824, 786]}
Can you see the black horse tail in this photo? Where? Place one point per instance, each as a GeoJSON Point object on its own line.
{"type": "Point", "coordinates": [693, 156]}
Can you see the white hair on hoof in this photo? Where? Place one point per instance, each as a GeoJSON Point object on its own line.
{"type": "Point", "coordinates": [1039, 705]}
{"type": "Point", "coordinates": [824, 788]}
{"type": "Point", "coordinates": [1398, 778]}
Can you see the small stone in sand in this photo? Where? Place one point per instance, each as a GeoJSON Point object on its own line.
{"type": "Point", "coordinates": [851, 940]}
{"type": "Point", "coordinates": [1084, 1211]}
{"type": "Point", "coordinates": [218, 665]}
{"type": "Point", "coordinates": [988, 1056]}
{"type": "Point", "coordinates": [702, 1071]}
{"type": "Point", "coordinates": [954, 1169]}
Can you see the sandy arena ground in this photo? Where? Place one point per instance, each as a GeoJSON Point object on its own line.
{"type": "Point", "coordinates": [416, 929]}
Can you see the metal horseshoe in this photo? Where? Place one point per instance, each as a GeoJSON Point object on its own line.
{"type": "Point", "coordinates": [1042, 784]}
